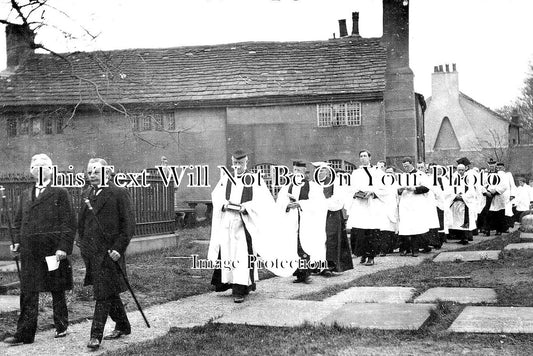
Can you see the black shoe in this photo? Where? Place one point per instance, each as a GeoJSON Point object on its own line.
{"type": "Point", "coordinates": [93, 344]}
{"type": "Point", "coordinates": [427, 250]}
{"type": "Point", "coordinates": [363, 260]}
{"type": "Point", "coordinates": [383, 254]}
{"type": "Point", "coordinates": [238, 299]}
{"type": "Point", "coordinates": [306, 280]}
{"type": "Point", "coordinates": [487, 233]}
{"type": "Point", "coordinates": [326, 273]}
{"type": "Point", "coordinates": [13, 341]}
{"type": "Point", "coordinates": [369, 262]}
{"type": "Point", "coordinates": [116, 334]}
{"type": "Point", "coordinates": [403, 253]}
{"type": "Point", "coordinates": [60, 334]}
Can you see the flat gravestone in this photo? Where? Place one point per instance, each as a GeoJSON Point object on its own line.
{"type": "Point", "coordinates": [279, 312]}
{"type": "Point", "coordinates": [372, 295]}
{"type": "Point", "coordinates": [380, 316]}
{"type": "Point", "coordinates": [526, 236]}
{"type": "Point", "coordinates": [8, 267]}
{"type": "Point", "coordinates": [9, 303]}
{"type": "Point", "coordinates": [494, 320]}
{"type": "Point", "coordinates": [458, 295]}
{"type": "Point", "coordinates": [520, 246]}
{"type": "Point", "coordinates": [467, 256]}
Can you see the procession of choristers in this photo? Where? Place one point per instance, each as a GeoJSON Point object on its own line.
{"type": "Point", "coordinates": [327, 216]}
{"type": "Point", "coordinates": [319, 220]}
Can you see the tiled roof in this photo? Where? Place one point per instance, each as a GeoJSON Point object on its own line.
{"type": "Point", "coordinates": [484, 107]}
{"type": "Point", "coordinates": [250, 72]}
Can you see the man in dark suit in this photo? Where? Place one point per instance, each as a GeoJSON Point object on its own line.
{"type": "Point", "coordinates": [45, 225]}
{"type": "Point", "coordinates": [104, 235]}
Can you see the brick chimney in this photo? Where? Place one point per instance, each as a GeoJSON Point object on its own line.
{"type": "Point", "coordinates": [445, 83]}
{"type": "Point", "coordinates": [355, 24]}
{"type": "Point", "coordinates": [396, 32]}
{"type": "Point", "coordinates": [343, 31]}
{"type": "Point", "coordinates": [20, 42]}
{"type": "Point", "coordinates": [399, 96]}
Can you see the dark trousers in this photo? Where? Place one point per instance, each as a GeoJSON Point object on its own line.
{"type": "Point", "coordinates": [387, 241]}
{"type": "Point", "coordinates": [497, 220]}
{"type": "Point", "coordinates": [410, 243]}
{"type": "Point", "coordinates": [483, 220]}
{"type": "Point", "coordinates": [365, 242]}
{"type": "Point", "coordinates": [114, 308]}
{"type": "Point", "coordinates": [29, 310]}
{"type": "Point", "coordinates": [463, 235]}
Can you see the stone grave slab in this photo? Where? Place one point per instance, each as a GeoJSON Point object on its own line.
{"type": "Point", "coordinates": [526, 236]}
{"type": "Point", "coordinates": [380, 316]}
{"type": "Point", "coordinates": [9, 303]}
{"type": "Point", "coordinates": [8, 266]}
{"type": "Point", "coordinates": [494, 320]}
{"type": "Point", "coordinates": [467, 256]}
{"type": "Point", "coordinates": [519, 246]}
{"type": "Point", "coordinates": [279, 312]}
{"type": "Point", "coordinates": [458, 295]}
{"type": "Point", "coordinates": [372, 295]}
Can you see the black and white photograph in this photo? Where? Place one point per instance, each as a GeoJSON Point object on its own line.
{"type": "Point", "coordinates": [266, 177]}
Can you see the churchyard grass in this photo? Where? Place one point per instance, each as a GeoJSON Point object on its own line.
{"type": "Point", "coordinates": [220, 339]}
{"type": "Point", "coordinates": [154, 277]}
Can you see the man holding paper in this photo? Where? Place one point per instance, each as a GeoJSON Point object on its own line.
{"type": "Point", "coordinates": [45, 224]}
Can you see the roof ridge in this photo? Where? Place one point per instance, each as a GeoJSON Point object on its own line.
{"type": "Point", "coordinates": [347, 39]}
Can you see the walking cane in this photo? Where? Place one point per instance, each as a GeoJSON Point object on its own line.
{"type": "Point", "coordinates": [8, 218]}
{"type": "Point", "coordinates": [89, 206]}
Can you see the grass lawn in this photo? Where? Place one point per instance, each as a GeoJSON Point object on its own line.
{"type": "Point", "coordinates": [219, 339]}
{"type": "Point", "coordinates": [154, 277]}
{"type": "Point", "coordinates": [511, 277]}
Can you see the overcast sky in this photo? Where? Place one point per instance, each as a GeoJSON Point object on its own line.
{"type": "Point", "coordinates": [490, 40]}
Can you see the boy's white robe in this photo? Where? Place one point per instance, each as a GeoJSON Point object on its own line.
{"type": "Point", "coordinates": [228, 234]}
{"type": "Point", "coordinates": [366, 213]}
{"type": "Point", "coordinates": [312, 225]}
{"type": "Point", "coordinates": [413, 208]}
{"type": "Point", "coordinates": [470, 198]}
{"type": "Point", "coordinates": [512, 193]}
{"type": "Point", "coordinates": [444, 196]}
{"type": "Point", "coordinates": [500, 201]}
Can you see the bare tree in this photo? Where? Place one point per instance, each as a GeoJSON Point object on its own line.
{"type": "Point", "coordinates": [523, 105]}
{"type": "Point", "coordinates": [34, 16]}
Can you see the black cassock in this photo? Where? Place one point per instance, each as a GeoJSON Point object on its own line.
{"type": "Point", "coordinates": [338, 252]}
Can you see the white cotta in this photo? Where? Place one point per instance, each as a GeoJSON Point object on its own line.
{"type": "Point", "coordinates": [413, 214]}
{"type": "Point", "coordinates": [261, 221]}
{"type": "Point", "coordinates": [389, 199]}
{"type": "Point", "coordinates": [500, 200]}
{"type": "Point", "coordinates": [366, 213]}
{"type": "Point", "coordinates": [444, 195]}
{"type": "Point", "coordinates": [308, 222]}
{"type": "Point", "coordinates": [521, 200]}
{"type": "Point", "coordinates": [512, 193]}
{"type": "Point", "coordinates": [470, 196]}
